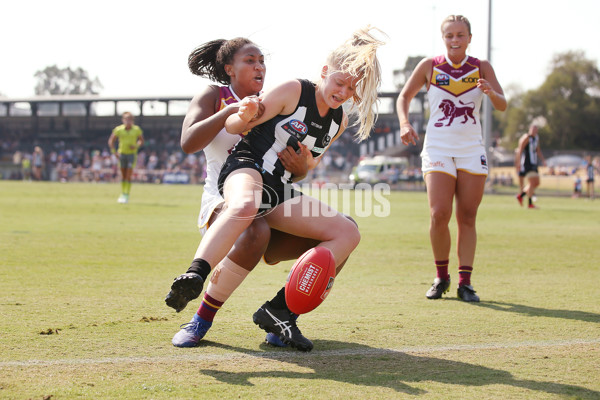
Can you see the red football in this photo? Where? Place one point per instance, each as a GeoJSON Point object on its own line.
{"type": "Point", "coordinates": [310, 280]}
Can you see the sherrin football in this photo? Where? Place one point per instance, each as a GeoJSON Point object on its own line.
{"type": "Point", "coordinates": [310, 280]}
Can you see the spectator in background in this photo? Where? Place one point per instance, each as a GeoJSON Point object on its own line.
{"type": "Point", "coordinates": [96, 165]}
{"type": "Point", "coordinates": [130, 138]}
{"type": "Point", "coordinates": [577, 187]}
{"type": "Point", "coordinates": [17, 157]}
{"type": "Point", "coordinates": [37, 161]}
{"type": "Point", "coordinates": [26, 167]}
{"type": "Point", "coordinates": [527, 157]}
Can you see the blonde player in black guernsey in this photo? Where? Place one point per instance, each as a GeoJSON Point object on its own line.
{"type": "Point", "coordinates": [309, 116]}
{"type": "Point", "coordinates": [238, 66]}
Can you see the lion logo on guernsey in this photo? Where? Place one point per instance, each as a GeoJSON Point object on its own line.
{"type": "Point", "coordinates": [452, 111]}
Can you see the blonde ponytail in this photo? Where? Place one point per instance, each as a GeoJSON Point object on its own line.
{"type": "Point", "coordinates": [358, 58]}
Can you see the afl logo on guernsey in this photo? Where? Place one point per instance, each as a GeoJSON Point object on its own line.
{"type": "Point", "coordinates": [442, 80]}
{"type": "Point", "coordinates": [299, 126]}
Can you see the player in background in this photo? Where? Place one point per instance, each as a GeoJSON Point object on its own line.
{"type": "Point", "coordinates": [528, 155]}
{"type": "Point", "coordinates": [131, 138]}
{"type": "Point", "coordinates": [454, 161]}
{"type": "Point", "coordinates": [590, 171]}
{"type": "Point", "coordinates": [306, 116]}
{"type": "Point", "coordinates": [238, 66]}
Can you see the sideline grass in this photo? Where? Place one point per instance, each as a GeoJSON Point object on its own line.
{"type": "Point", "coordinates": [82, 283]}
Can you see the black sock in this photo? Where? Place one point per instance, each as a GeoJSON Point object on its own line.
{"type": "Point", "coordinates": [278, 301]}
{"type": "Point", "coordinates": [530, 201]}
{"type": "Point", "coordinates": [522, 194]}
{"type": "Point", "coordinates": [201, 267]}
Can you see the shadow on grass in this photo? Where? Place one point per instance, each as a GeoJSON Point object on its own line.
{"type": "Point", "coordinates": [369, 366]}
{"type": "Point", "coordinates": [540, 312]}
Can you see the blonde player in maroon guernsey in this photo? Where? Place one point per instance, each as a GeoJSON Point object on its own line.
{"type": "Point", "coordinates": [454, 161]}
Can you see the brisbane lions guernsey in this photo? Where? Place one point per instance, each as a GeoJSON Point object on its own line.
{"type": "Point", "coordinates": [216, 153]}
{"type": "Point", "coordinates": [454, 127]}
{"type": "Point", "coordinates": [218, 149]}
{"type": "Point", "coordinates": [304, 125]}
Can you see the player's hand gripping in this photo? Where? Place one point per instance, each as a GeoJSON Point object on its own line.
{"type": "Point", "coordinates": [249, 109]}
{"type": "Point", "coordinates": [297, 163]}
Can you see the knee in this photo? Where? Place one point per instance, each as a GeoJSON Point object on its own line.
{"type": "Point", "coordinates": [258, 233]}
{"type": "Point", "coordinates": [352, 229]}
{"type": "Point", "coordinates": [440, 216]}
{"type": "Point", "coordinates": [241, 208]}
{"type": "Point", "coordinates": [342, 230]}
{"type": "Point", "coordinates": [466, 218]}
{"type": "Point", "coordinates": [251, 244]}
{"type": "Point", "coordinates": [351, 219]}
{"type": "Point", "coordinates": [351, 232]}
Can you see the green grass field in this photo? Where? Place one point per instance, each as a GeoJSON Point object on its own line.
{"type": "Point", "coordinates": [82, 313]}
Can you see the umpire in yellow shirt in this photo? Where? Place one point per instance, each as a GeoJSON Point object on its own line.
{"type": "Point", "coordinates": [130, 139]}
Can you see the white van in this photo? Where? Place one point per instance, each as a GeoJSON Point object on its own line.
{"type": "Point", "coordinates": [379, 169]}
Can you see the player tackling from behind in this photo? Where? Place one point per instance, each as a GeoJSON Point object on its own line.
{"type": "Point", "coordinates": [454, 161]}
{"type": "Point", "coordinates": [309, 117]}
{"type": "Point", "coordinates": [238, 66]}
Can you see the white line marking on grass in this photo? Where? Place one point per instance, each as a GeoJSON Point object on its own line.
{"type": "Point", "coordinates": [278, 355]}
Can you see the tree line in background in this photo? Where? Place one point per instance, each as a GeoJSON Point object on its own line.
{"type": "Point", "coordinates": [567, 104]}
{"type": "Point", "coordinates": [53, 80]}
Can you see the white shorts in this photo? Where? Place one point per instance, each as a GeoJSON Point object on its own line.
{"type": "Point", "coordinates": [475, 165]}
{"type": "Point", "coordinates": [209, 203]}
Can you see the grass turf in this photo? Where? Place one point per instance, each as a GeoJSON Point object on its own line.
{"type": "Point", "coordinates": [82, 283]}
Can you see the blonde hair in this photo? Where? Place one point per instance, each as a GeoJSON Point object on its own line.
{"type": "Point", "coordinates": [358, 58]}
{"type": "Point", "coordinates": [457, 18]}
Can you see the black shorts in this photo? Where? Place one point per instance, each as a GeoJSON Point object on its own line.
{"type": "Point", "coordinates": [127, 161]}
{"type": "Point", "coordinates": [274, 190]}
{"type": "Point", "coordinates": [530, 169]}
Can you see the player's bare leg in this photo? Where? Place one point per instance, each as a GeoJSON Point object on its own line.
{"type": "Point", "coordinates": [284, 246]}
{"type": "Point", "coordinates": [469, 192]}
{"type": "Point", "coordinates": [440, 194]}
{"type": "Point", "coordinates": [274, 316]}
{"type": "Point", "coordinates": [225, 279]}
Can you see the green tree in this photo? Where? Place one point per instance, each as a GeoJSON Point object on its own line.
{"type": "Point", "coordinates": [568, 100]}
{"type": "Point", "coordinates": [53, 80]}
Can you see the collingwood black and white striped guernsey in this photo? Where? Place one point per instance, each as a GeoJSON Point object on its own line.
{"type": "Point", "coordinates": [304, 125]}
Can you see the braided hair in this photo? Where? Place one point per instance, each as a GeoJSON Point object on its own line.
{"type": "Point", "coordinates": [209, 59]}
